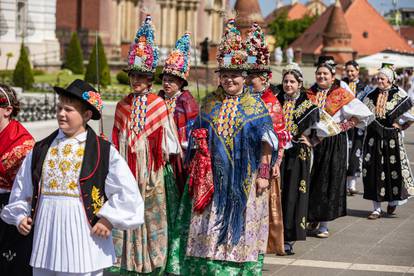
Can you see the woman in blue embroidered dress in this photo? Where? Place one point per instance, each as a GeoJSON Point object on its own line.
{"type": "Point", "coordinates": [229, 233]}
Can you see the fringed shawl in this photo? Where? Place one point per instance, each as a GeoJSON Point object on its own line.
{"type": "Point", "coordinates": [235, 159]}
{"type": "Point", "coordinates": [337, 97]}
{"type": "Point", "coordinates": [186, 110]}
{"type": "Point", "coordinates": [143, 151]}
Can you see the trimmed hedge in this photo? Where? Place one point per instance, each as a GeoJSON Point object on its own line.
{"type": "Point", "coordinates": [104, 73]}
{"type": "Point", "coordinates": [74, 56]}
{"type": "Point", "coordinates": [23, 75]}
{"type": "Point", "coordinates": [122, 78]}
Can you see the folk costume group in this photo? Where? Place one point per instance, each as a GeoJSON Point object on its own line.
{"type": "Point", "coordinates": [185, 189]}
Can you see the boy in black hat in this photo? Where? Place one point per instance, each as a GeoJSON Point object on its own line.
{"type": "Point", "coordinates": [73, 188]}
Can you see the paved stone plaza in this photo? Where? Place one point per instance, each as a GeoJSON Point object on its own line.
{"type": "Point", "coordinates": [357, 246]}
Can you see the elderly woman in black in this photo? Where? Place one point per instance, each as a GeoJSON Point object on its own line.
{"type": "Point", "coordinates": [386, 170]}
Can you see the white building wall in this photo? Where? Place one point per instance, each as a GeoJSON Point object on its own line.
{"type": "Point", "coordinates": [40, 37]}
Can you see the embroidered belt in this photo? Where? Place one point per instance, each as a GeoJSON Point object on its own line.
{"type": "Point", "coordinates": [60, 194]}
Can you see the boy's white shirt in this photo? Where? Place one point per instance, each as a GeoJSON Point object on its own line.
{"type": "Point", "coordinates": [124, 207]}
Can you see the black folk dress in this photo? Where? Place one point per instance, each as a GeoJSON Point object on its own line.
{"type": "Point", "coordinates": [296, 165]}
{"type": "Point", "coordinates": [386, 170]}
{"type": "Point", "coordinates": [327, 196]}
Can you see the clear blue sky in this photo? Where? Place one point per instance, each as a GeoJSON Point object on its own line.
{"type": "Point", "coordinates": [381, 5]}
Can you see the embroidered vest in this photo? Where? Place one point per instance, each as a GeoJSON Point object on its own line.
{"type": "Point", "coordinates": [93, 173]}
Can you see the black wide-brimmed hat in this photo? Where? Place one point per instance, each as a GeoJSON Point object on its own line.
{"type": "Point", "coordinates": [84, 92]}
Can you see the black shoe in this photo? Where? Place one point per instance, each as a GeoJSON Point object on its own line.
{"type": "Point", "coordinates": [391, 210]}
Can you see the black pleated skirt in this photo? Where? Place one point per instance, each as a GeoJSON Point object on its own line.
{"type": "Point", "coordinates": [327, 197]}
{"type": "Point", "coordinates": [385, 167]}
{"type": "Point", "coordinates": [295, 176]}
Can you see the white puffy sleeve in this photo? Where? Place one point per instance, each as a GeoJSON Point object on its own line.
{"type": "Point", "coordinates": [21, 195]}
{"type": "Point", "coordinates": [325, 127]}
{"type": "Point", "coordinates": [407, 117]}
{"type": "Point", "coordinates": [171, 143]}
{"type": "Point", "coordinates": [356, 109]}
{"type": "Point", "coordinates": [124, 207]}
{"type": "Point", "coordinates": [345, 86]}
{"type": "Point", "coordinates": [270, 138]}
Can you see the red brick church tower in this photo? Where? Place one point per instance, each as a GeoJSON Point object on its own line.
{"type": "Point", "coordinates": [337, 37]}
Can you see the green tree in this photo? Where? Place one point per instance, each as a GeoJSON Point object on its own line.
{"type": "Point", "coordinates": [286, 31]}
{"type": "Point", "coordinates": [104, 73]}
{"type": "Point", "coordinates": [23, 75]}
{"type": "Point", "coordinates": [74, 56]}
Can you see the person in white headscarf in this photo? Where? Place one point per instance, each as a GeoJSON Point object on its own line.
{"type": "Point", "coordinates": [386, 170]}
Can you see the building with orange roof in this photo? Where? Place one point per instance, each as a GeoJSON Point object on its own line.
{"type": "Point", "coordinates": [293, 11]}
{"type": "Point", "coordinates": [297, 10]}
{"type": "Point", "coordinates": [370, 32]}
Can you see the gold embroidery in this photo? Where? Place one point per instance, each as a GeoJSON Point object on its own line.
{"type": "Point", "coordinates": [303, 223]}
{"type": "Point", "coordinates": [302, 154]}
{"type": "Point", "coordinates": [302, 108]}
{"type": "Point", "coordinates": [52, 164]}
{"type": "Point", "coordinates": [59, 194]}
{"type": "Point", "coordinates": [80, 152]}
{"type": "Point", "coordinates": [302, 186]}
{"type": "Point", "coordinates": [78, 165]}
{"type": "Point", "coordinates": [72, 185]}
{"type": "Point", "coordinates": [53, 184]}
{"type": "Point", "coordinates": [53, 151]}
{"type": "Point", "coordinates": [64, 166]}
{"type": "Point", "coordinates": [67, 149]}
{"type": "Point", "coordinates": [97, 200]}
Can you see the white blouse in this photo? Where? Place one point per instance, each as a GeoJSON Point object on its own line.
{"type": "Point", "coordinates": [357, 109]}
{"type": "Point", "coordinates": [124, 207]}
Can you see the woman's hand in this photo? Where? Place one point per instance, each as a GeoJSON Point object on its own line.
{"type": "Point", "coordinates": [261, 185]}
{"type": "Point", "coordinates": [102, 228]}
{"type": "Point", "coordinates": [305, 140]}
{"type": "Point", "coordinates": [397, 125]}
{"type": "Point", "coordinates": [25, 226]}
{"type": "Point", "coordinates": [276, 171]}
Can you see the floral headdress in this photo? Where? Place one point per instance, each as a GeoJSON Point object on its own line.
{"type": "Point", "coordinates": [94, 99]}
{"type": "Point", "coordinates": [257, 50]}
{"type": "Point", "coordinates": [178, 61]}
{"type": "Point", "coordinates": [231, 54]}
{"type": "Point", "coordinates": [143, 54]}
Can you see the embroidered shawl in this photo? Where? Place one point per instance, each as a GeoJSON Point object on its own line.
{"type": "Point", "coordinates": [144, 147]}
{"type": "Point", "coordinates": [276, 113]}
{"type": "Point", "coordinates": [337, 97]}
{"type": "Point", "coordinates": [15, 143]}
{"type": "Point", "coordinates": [305, 113]}
{"type": "Point", "coordinates": [235, 158]}
{"type": "Point", "coordinates": [398, 102]}
{"type": "Point", "coordinates": [186, 110]}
